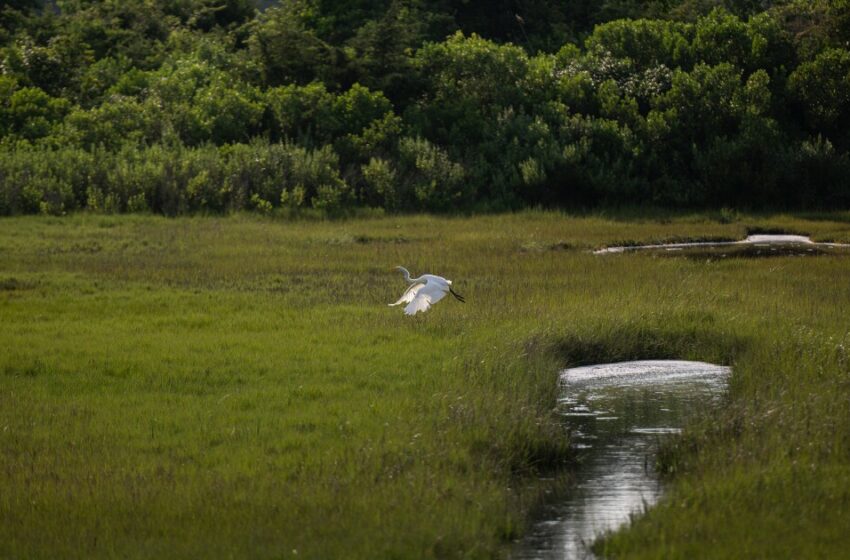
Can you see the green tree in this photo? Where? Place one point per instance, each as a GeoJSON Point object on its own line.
{"type": "Point", "coordinates": [134, 29]}
{"type": "Point", "coordinates": [30, 113]}
{"type": "Point", "coordinates": [200, 102]}
{"type": "Point", "coordinates": [116, 121]}
{"type": "Point", "coordinates": [314, 116]}
{"type": "Point", "coordinates": [470, 81]}
{"type": "Point", "coordinates": [207, 14]}
{"type": "Point", "coordinates": [383, 49]}
{"type": "Point", "coordinates": [721, 37]}
{"type": "Point", "coordinates": [822, 88]}
{"type": "Point", "coordinates": [288, 51]}
{"type": "Point", "coordinates": [430, 180]}
{"type": "Point", "coordinates": [55, 67]}
{"type": "Point", "coordinates": [646, 43]}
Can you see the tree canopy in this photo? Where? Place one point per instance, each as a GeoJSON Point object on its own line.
{"type": "Point", "coordinates": [442, 105]}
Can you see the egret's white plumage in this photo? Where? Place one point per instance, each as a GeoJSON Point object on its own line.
{"type": "Point", "coordinates": [424, 292]}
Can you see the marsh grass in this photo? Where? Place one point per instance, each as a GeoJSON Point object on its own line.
{"type": "Point", "coordinates": [210, 387]}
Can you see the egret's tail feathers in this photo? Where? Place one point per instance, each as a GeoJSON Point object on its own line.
{"type": "Point", "coordinates": [457, 296]}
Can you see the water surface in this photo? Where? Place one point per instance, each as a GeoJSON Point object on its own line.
{"type": "Point", "coordinates": [759, 245]}
{"type": "Point", "coordinates": [617, 415]}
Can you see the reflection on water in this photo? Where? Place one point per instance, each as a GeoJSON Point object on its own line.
{"type": "Point", "coordinates": [617, 415]}
{"type": "Point", "coordinates": [754, 246]}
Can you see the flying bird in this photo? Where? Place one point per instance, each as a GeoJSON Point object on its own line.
{"type": "Point", "coordinates": [424, 292]}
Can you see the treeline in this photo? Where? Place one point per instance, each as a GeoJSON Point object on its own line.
{"type": "Point", "coordinates": [179, 106]}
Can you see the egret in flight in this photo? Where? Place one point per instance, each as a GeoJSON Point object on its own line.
{"type": "Point", "coordinates": [424, 292]}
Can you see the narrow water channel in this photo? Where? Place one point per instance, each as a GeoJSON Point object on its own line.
{"type": "Point", "coordinates": [760, 245]}
{"type": "Point", "coordinates": [617, 415]}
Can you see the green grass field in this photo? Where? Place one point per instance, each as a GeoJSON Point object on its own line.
{"type": "Point", "coordinates": [238, 387]}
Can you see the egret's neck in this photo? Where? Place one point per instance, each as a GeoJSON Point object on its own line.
{"type": "Point", "coordinates": [406, 273]}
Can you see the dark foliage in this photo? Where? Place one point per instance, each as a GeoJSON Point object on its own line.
{"type": "Point", "coordinates": [177, 106]}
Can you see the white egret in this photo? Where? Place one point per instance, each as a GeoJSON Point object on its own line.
{"type": "Point", "coordinates": [424, 292]}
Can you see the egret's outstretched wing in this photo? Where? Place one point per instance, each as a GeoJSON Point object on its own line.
{"type": "Point", "coordinates": [409, 293]}
{"type": "Point", "coordinates": [434, 279]}
{"type": "Point", "coordinates": [425, 297]}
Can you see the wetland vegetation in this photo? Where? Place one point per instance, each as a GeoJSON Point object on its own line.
{"type": "Point", "coordinates": [237, 386]}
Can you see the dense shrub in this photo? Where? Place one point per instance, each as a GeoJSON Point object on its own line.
{"type": "Point", "coordinates": [429, 179]}
{"type": "Point", "coordinates": [192, 106]}
{"type": "Point", "coordinates": [170, 179]}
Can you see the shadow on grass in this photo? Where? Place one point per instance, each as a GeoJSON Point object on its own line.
{"type": "Point", "coordinates": [649, 342]}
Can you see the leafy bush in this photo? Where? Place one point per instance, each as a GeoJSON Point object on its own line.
{"type": "Point", "coordinates": [429, 179]}
{"type": "Point", "coordinates": [381, 188]}
{"type": "Point", "coordinates": [169, 179]}
{"type": "Point", "coordinates": [29, 113]}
